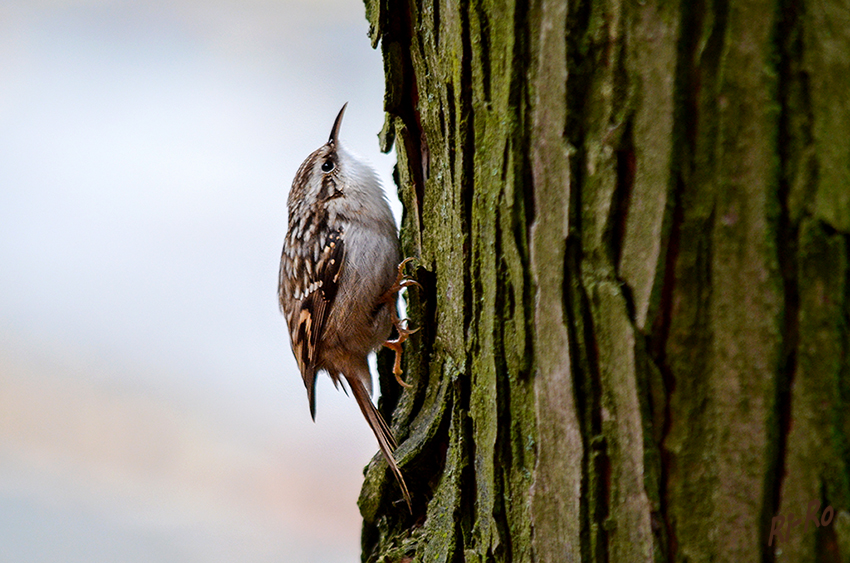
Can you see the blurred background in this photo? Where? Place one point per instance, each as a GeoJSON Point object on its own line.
{"type": "Point", "coordinates": [150, 407]}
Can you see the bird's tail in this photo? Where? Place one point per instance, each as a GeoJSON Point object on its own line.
{"type": "Point", "coordinates": [382, 432]}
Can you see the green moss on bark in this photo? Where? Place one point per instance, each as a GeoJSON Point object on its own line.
{"type": "Point", "coordinates": [631, 227]}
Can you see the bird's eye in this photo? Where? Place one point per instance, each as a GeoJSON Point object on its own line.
{"type": "Point", "coordinates": [327, 166]}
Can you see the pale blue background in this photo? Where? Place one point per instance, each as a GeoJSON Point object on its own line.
{"type": "Point", "coordinates": [150, 408]}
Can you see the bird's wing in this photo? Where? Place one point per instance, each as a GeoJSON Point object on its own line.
{"type": "Point", "coordinates": [307, 322]}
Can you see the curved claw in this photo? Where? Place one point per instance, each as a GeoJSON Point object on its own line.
{"type": "Point", "coordinates": [404, 263]}
{"type": "Point", "coordinates": [402, 280]}
{"type": "Point", "coordinates": [404, 330]}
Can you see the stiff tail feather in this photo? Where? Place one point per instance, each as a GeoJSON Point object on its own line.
{"type": "Point", "coordinates": [382, 432]}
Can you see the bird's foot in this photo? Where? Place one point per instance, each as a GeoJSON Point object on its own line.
{"type": "Point", "coordinates": [400, 283]}
{"type": "Point", "coordinates": [395, 346]}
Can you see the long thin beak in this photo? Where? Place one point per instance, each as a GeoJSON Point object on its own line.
{"type": "Point", "coordinates": [337, 122]}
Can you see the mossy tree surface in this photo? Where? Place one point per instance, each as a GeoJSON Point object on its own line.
{"type": "Point", "coordinates": [632, 226]}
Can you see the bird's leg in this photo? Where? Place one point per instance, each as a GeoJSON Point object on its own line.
{"type": "Point", "coordinates": [401, 282]}
{"type": "Point", "coordinates": [395, 346]}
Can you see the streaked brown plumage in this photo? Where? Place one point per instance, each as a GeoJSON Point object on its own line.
{"type": "Point", "coordinates": [339, 276]}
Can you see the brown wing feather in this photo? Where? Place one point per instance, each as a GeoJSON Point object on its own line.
{"type": "Point", "coordinates": [308, 323]}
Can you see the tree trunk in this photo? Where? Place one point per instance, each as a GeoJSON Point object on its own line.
{"type": "Point", "coordinates": [632, 222]}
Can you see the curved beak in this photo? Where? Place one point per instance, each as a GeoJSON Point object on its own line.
{"type": "Point", "coordinates": [337, 123]}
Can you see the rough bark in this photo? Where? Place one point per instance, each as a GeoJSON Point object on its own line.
{"type": "Point", "coordinates": [632, 225]}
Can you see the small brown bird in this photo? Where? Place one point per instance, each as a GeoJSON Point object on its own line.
{"type": "Point", "coordinates": [340, 276]}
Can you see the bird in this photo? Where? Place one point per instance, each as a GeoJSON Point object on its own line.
{"type": "Point", "coordinates": [339, 279]}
